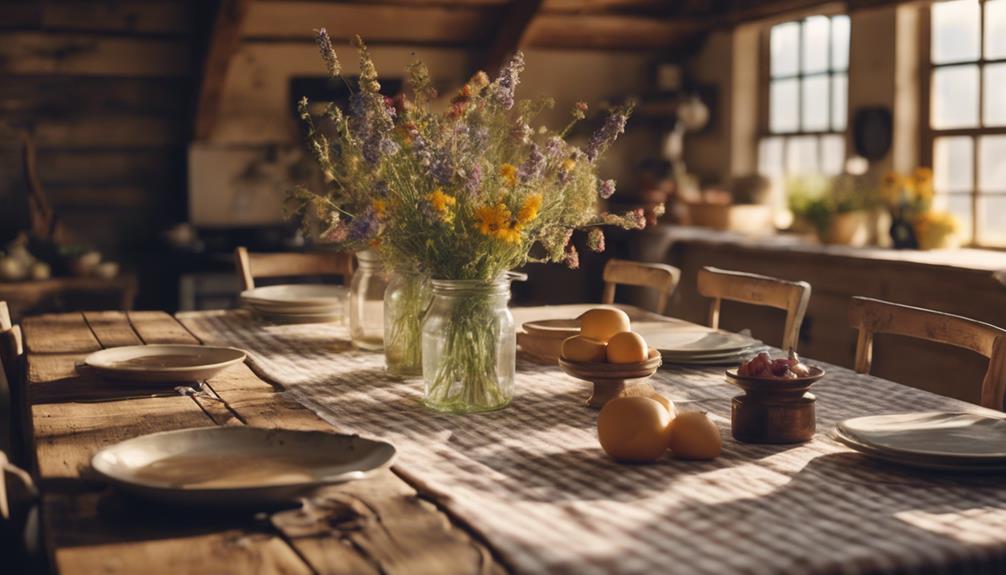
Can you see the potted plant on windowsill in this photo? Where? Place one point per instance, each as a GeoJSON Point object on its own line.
{"type": "Point", "coordinates": [915, 224]}
{"type": "Point", "coordinates": [842, 210]}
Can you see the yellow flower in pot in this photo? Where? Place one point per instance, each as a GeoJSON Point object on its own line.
{"type": "Point", "coordinates": [936, 230]}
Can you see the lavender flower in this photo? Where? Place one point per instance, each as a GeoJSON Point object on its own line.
{"type": "Point", "coordinates": [522, 132]}
{"type": "Point", "coordinates": [503, 88]}
{"type": "Point", "coordinates": [609, 132]}
{"type": "Point", "coordinates": [473, 179]}
{"type": "Point", "coordinates": [605, 188]}
{"type": "Point", "coordinates": [595, 240]}
{"type": "Point", "coordinates": [437, 161]}
{"type": "Point", "coordinates": [368, 72]}
{"type": "Point", "coordinates": [532, 166]}
{"type": "Point", "coordinates": [363, 226]}
{"type": "Point", "coordinates": [370, 121]}
{"type": "Point", "coordinates": [327, 52]}
{"type": "Point", "coordinates": [554, 148]}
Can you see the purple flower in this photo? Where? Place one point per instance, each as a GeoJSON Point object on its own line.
{"type": "Point", "coordinates": [473, 180]}
{"type": "Point", "coordinates": [436, 160]}
{"type": "Point", "coordinates": [532, 166]}
{"type": "Point", "coordinates": [327, 52]}
{"type": "Point", "coordinates": [553, 149]}
{"type": "Point", "coordinates": [502, 90]}
{"type": "Point", "coordinates": [609, 132]}
{"type": "Point", "coordinates": [605, 188]}
{"type": "Point", "coordinates": [371, 120]}
{"type": "Point", "coordinates": [363, 226]}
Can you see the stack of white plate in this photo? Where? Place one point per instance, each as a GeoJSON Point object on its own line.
{"type": "Point", "coordinates": [298, 303]}
{"type": "Point", "coordinates": [697, 345]}
{"type": "Point", "coordinates": [932, 440]}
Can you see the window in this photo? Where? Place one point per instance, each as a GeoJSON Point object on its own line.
{"type": "Point", "coordinates": [966, 139]}
{"type": "Point", "coordinates": [806, 91]}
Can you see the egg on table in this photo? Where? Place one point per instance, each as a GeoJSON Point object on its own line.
{"type": "Point", "coordinates": [601, 323]}
{"type": "Point", "coordinates": [634, 429]}
{"type": "Point", "coordinates": [584, 349]}
{"type": "Point", "coordinates": [694, 436]}
{"type": "Point", "coordinates": [627, 347]}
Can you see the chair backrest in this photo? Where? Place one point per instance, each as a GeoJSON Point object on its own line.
{"type": "Point", "coordinates": [5, 317]}
{"type": "Point", "coordinates": [871, 316]}
{"type": "Point", "coordinates": [271, 265]}
{"type": "Point", "coordinates": [661, 277]}
{"type": "Point", "coordinates": [790, 296]}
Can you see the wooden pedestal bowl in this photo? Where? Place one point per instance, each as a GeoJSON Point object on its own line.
{"type": "Point", "coordinates": [773, 410]}
{"type": "Point", "coordinates": [613, 380]}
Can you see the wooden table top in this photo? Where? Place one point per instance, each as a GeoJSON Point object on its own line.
{"type": "Point", "coordinates": [373, 526]}
{"type": "Point", "coordinates": [382, 525]}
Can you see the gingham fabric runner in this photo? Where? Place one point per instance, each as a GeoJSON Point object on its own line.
{"type": "Point", "coordinates": [534, 482]}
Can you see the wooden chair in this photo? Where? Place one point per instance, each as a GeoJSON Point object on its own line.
{"type": "Point", "coordinates": [792, 297]}
{"type": "Point", "coordinates": [13, 395]}
{"type": "Point", "coordinates": [661, 277]}
{"type": "Point", "coordinates": [872, 316]}
{"type": "Point", "coordinates": [271, 265]}
{"type": "Point", "coordinates": [19, 526]}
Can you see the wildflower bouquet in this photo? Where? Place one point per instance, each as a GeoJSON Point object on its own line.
{"type": "Point", "coordinates": [910, 200]}
{"type": "Point", "coordinates": [461, 194]}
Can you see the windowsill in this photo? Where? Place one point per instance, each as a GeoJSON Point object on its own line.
{"type": "Point", "coordinates": [963, 258]}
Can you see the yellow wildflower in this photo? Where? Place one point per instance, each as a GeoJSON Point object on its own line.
{"type": "Point", "coordinates": [509, 174]}
{"type": "Point", "coordinates": [509, 234]}
{"type": "Point", "coordinates": [380, 207]}
{"type": "Point", "coordinates": [529, 210]}
{"type": "Point", "coordinates": [568, 165]}
{"type": "Point", "coordinates": [491, 219]}
{"type": "Point", "coordinates": [442, 204]}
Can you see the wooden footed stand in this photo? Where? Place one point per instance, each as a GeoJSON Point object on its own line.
{"type": "Point", "coordinates": [613, 380]}
{"type": "Point", "coordinates": [774, 410]}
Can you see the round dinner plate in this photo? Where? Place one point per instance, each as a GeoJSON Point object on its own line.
{"type": "Point", "coordinates": [297, 295]}
{"type": "Point", "coordinates": [957, 436]}
{"type": "Point", "coordinates": [921, 462]}
{"type": "Point", "coordinates": [238, 466]}
{"type": "Point", "coordinates": [163, 363]}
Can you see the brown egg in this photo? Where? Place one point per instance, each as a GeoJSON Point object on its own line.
{"type": "Point", "coordinates": [601, 323]}
{"type": "Point", "coordinates": [634, 429]}
{"type": "Point", "coordinates": [579, 348]}
{"type": "Point", "coordinates": [627, 347]}
{"type": "Point", "coordinates": [695, 436]}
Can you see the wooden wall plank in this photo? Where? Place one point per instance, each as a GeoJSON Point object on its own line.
{"type": "Point", "coordinates": [374, 22]}
{"type": "Point", "coordinates": [69, 96]}
{"type": "Point", "coordinates": [101, 131]}
{"type": "Point", "coordinates": [611, 32]}
{"type": "Point", "coordinates": [157, 17]}
{"type": "Point", "coordinates": [90, 55]}
{"type": "Point", "coordinates": [112, 167]}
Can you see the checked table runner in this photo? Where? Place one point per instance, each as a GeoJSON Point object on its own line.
{"type": "Point", "coordinates": [533, 481]}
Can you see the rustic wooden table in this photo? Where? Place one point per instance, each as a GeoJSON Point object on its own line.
{"type": "Point", "coordinates": [870, 516]}
{"type": "Point", "coordinates": [382, 526]}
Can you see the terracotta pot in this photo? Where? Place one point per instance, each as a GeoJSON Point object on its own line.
{"type": "Point", "coordinates": [849, 229]}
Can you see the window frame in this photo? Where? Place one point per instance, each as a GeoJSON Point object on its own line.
{"type": "Point", "coordinates": [929, 134]}
{"type": "Point", "coordinates": [765, 88]}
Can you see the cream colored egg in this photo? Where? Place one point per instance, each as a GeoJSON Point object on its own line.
{"type": "Point", "coordinates": [695, 436]}
{"type": "Point", "coordinates": [579, 348]}
{"type": "Point", "coordinates": [601, 323]}
{"type": "Point", "coordinates": [634, 429]}
{"type": "Point", "coordinates": [627, 347]}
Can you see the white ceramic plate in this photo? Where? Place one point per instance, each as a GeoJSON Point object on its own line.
{"type": "Point", "coordinates": [302, 318]}
{"type": "Point", "coordinates": [163, 363]}
{"type": "Point", "coordinates": [936, 464]}
{"type": "Point", "coordinates": [690, 340]}
{"type": "Point", "coordinates": [238, 466]}
{"type": "Point", "coordinates": [297, 295]}
{"type": "Point", "coordinates": [957, 436]}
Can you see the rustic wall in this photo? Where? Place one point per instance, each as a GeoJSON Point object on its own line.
{"type": "Point", "coordinates": [105, 89]}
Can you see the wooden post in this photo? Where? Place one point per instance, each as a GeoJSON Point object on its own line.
{"type": "Point", "coordinates": [224, 40]}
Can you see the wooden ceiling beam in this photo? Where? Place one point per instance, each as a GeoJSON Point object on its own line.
{"type": "Point", "coordinates": [512, 33]}
{"type": "Point", "coordinates": [224, 41]}
{"type": "Point", "coordinates": [612, 32]}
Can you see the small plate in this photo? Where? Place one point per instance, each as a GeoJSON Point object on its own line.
{"type": "Point", "coordinates": [163, 363]}
{"type": "Point", "coordinates": [553, 328]}
{"type": "Point", "coordinates": [238, 466]}
{"type": "Point", "coordinates": [960, 436]}
{"type": "Point", "coordinates": [297, 295]}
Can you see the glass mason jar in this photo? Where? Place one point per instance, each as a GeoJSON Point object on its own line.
{"type": "Point", "coordinates": [405, 303]}
{"type": "Point", "coordinates": [469, 346]}
{"type": "Point", "coordinates": [366, 302]}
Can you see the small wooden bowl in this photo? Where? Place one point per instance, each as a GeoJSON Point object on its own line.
{"type": "Point", "coordinates": [613, 380]}
{"type": "Point", "coordinates": [774, 410]}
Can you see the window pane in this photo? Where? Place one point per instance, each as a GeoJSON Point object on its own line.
{"type": "Point", "coordinates": [785, 50]}
{"type": "Point", "coordinates": [840, 42]}
{"type": "Point", "coordinates": [995, 29]}
{"type": "Point", "coordinates": [955, 97]}
{"type": "Point", "coordinates": [770, 162]}
{"type": "Point", "coordinates": [801, 155]}
{"type": "Point", "coordinates": [832, 155]}
{"type": "Point", "coordinates": [784, 106]}
{"type": "Point", "coordinates": [815, 44]}
{"type": "Point", "coordinates": [994, 102]}
{"type": "Point", "coordinates": [955, 31]}
{"type": "Point", "coordinates": [952, 162]}
{"type": "Point", "coordinates": [992, 215]}
{"type": "Point", "coordinates": [815, 104]}
{"type": "Point", "coordinates": [960, 206]}
{"type": "Point", "coordinates": [839, 103]}
{"type": "Point", "coordinates": [992, 163]}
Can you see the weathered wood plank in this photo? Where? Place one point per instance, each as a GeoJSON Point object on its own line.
{"type": "Point", "coordinates": [68, 96]}
{"type": "Point", "coordinates": [119, 167]}
{"type": "Point", "coordinates": [131, 17]}
{"type": "Point", "coordinates": [159, 327]}
{"type": "Point", "coordinates": [111, 328]}
{"type": "Point", "coordinates": [100, 131]}
{"type": "Point", "coordinates": [611, 32]}
{"type": "Point", "coordinates": [225, 37]}
{"type": "Point", "coordinates": [108, 533]}
{"type": "Point", "coordinates": [52, 333]}
{"type": "Point", "coordinates": [89, 55]}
